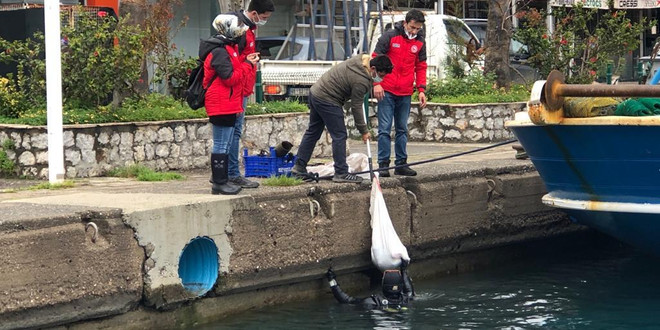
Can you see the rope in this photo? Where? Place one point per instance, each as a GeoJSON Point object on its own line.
{"type": "Point", "coordinates": [434, 159]}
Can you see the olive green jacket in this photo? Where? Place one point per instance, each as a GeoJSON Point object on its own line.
{"type": "Point", "coordinates": [348, 80]}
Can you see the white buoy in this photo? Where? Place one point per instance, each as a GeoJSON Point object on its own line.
{"type": "Point", "coordinates": [54, 90]}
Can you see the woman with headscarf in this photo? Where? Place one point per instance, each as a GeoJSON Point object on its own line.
{"type": "Point", "coordinates": [224, 74]}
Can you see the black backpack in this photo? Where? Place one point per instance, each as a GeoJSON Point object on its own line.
{"type": "Point", "coordinates": [196, 92]}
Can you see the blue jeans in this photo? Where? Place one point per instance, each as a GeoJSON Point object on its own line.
{"type": "Point", "coordinates": [397, 108]}
{"type": "Point", "coordinates": [236, 139]}
{"type": "Point", "coordinates": [222, 136]}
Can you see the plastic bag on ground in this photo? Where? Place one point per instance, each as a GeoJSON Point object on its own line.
{"type": "Point", "coordinates": [357, 162]}
{"type": "Point", "coordinates": [386, 247]}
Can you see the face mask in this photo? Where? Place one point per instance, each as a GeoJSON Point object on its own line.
{"type": "Point", "coordinates": [410, 35]}
{"type": "Point", "coordinates": [260, 21]}
{"type": "Point", "coordinates": [377, 78]}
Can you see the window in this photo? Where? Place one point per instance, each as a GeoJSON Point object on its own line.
{"type": "Point", "coordinates": [322, 51]}
{"type": "Point", "coordinates": [286, 51]}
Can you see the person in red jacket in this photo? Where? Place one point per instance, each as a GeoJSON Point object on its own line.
{"type": "Point", "coordinates": [257, 14]}
{"type": "Point", "coordinates": [224, 74]}
{"type": "Point", "coordinates": [406, 47]}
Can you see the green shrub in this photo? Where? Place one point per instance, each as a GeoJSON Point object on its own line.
{"type": "Point", "coordinates": [473, 88]}
{"type": "Point", "coordinates": [27, 87]}
{"type": "Point", "coordinates": [275, 107]}
{"type": "Point", "coordinates": [583, 42]}
{"type": "Point", "coordinates": [153, 107]}
{"type": "Point", "coordinates": [7, 166]}
{"type": "Point", "coordinates": [100, 55]}
{"type": "Point", "coordinates": [8, 144]}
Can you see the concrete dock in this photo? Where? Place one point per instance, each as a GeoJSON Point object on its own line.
{"type": "Point", "coordinates": [119, 253]}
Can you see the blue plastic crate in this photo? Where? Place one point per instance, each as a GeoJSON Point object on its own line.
{"type": "Point", "coordinates": [267, 166]}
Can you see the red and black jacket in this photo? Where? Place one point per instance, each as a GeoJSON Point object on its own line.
{"type": "Point", "coordinates": [225, 94]}
{"type": "Point", "coordinates": [246, 46]}
{"type": "Point", "coordinates": [408, 57]}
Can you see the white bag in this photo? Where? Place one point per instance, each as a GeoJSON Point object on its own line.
{"type": "Point", "coordinates": [357, 162]}
{"type": "Point", "coordinates": [386, 247]}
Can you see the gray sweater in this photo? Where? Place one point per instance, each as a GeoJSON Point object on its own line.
{"type": "Point", "coordinates": [348, 80]}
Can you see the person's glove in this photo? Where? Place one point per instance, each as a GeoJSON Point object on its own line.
{"type": "Point", "coordinates": [330, 275]}
{"type": "Point", "coordinates": [404, 264]}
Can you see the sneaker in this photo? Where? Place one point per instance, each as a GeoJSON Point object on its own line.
{"type": "Point", "coordinates": [347, 178]}
{"type": "Point", "coordinates": [298, 169]}
{"type": "Point", "coordinates": [405, 171]}
{"type": "Point", "coordinates": [242, 182]}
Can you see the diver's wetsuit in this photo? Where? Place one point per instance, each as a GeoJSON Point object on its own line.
{"type": "Point", "coordinates": [398, 301]}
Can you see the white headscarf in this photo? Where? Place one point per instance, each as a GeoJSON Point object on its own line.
{"type": "Point", "coordinates": [229, 26]}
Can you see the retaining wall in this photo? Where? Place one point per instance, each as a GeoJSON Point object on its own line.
{"type": "Point", "coordinates": [272, 246]}
{"type": "Point", "coordinates": [93, 150]}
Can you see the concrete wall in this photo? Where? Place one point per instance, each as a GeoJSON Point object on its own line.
{"type": "Point", "coordinates": [92, 150]}
{"type": "Point", "coordinates": [271, 247]}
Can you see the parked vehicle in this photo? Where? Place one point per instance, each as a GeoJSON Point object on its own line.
{"type": "Point", "coordinates": [278, 48]}
{"type": "Point", "coordinates": [518, 53]}
{"type": "Point", "coordinates": [288, 71]}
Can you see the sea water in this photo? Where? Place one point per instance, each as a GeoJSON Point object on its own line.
{"type": "Point", "coordinates": [605, 286]}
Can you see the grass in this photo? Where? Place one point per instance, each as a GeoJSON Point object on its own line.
{"type": "Point", "coordinates": [52, 186]}
{"type": "Point", "coordinates": [45, 185]}
{"type": "Point", "coordinates": [281, 181]}
{"type": "Point", "coordinates": [143, 173]}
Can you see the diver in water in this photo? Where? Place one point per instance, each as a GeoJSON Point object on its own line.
{"type": "Point", "coordinates": [397, 288]}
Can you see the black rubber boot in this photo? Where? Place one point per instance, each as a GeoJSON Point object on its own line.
{"type": "Point", "coordinates": [384, 173]}
{"type": "Point", "coordinates": [219, 171]}
{"type": "Point", "coordinates": [405, 170]}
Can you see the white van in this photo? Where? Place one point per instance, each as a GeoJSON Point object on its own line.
{"type": "Point", "coordinates": [444, 35]}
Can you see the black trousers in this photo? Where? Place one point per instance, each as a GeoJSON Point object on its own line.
{"type": "Point", "coordinates": [322, 115]}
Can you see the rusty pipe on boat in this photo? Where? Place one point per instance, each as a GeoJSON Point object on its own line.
{"type": "Point", "coordinates": [555, 90]}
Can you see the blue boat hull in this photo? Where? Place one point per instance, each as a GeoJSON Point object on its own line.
{"type": "Point", "coordinates": [610, 170]}
{"type": "Point", "coordinates": [637, 229]}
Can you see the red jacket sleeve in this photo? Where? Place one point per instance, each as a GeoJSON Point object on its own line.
{"type": "Point", "coordinates": [420, 69]}
{"type": "Point", "coordinates": [229, 74]}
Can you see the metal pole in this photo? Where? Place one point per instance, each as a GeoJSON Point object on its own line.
{"type": "Point", "coordinates": [54, 90]}
{"type": "Point", "coordinates": [380, 14]}
{"type": "Point", "coordinates": [259, 89]}
{"type": "Point", "coordinates": [555, 90]}
{"type": "Point", "coordinates": [329, 54]}
{"type": "Point", "coordinates": [366, 15]}
{"type": "Point", "coordinates": [348, 49]}
{"type": "Point", "coordinates": [312, 42]}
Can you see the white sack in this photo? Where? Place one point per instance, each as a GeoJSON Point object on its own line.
{"type": "Point", "coordinates": [386, 247]}
{"type": "Point", "coordinates": [357, 162]}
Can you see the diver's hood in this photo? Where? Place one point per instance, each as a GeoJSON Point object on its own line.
{"type": "Point", "coordinates": [392, 284]}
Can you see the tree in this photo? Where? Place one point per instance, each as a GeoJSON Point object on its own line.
{"type": "Point", "coordinates": [581, 46]}
{"type": "Point", "coordinates": [498, 38]}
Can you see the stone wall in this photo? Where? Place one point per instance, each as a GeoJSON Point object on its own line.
{"type": "Point", "coordinates": [93, 150]}
{"type": "Point", "coordinates": [468, 123]}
